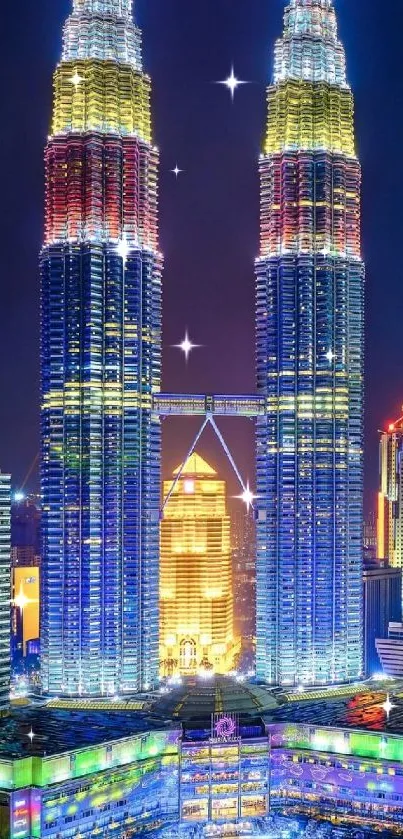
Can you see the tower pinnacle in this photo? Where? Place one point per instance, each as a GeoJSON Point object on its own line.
{"type": "Point", "coordinates": [120, 8]}
{"type": "Point", "coordinates": [103, 30]}
{"type": "Point", "coordinates": [310, 49]}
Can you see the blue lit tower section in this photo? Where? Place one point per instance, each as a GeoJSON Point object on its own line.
{"type": "Point", "coordinates": [101, 360]}
{"type": "Point", "coordinates": [5, 588]}
{"type": "Point", "coordinates": [310, 281]}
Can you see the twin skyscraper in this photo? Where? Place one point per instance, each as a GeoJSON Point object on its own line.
{"type": "Point", "coordinates": [101, 364]}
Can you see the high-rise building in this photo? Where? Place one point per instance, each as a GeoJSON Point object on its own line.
{"type": "Point", "coordinates": [5, 583]}
{"type": "Point", "coordinates": [101, 347]}
{"type": "Point", "coordinates": [390, 651]}
{"type": "Point", "coordinates": [390, 498]}
{"type": "Point", "coordinates": [244, 574]}
{"type": "Point", "coordinates": [310, 280]}
{"type": "Point", "coordinates": [196, 602]}
{"type": "Point", "coordinates": [369, 538]}
{"type": "Point", "coordinates": [382, 605]}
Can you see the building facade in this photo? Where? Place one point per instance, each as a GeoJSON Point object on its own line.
{"type": "Point", "coordinates": [382, 604]}
{"type": "Point", "coordinates": [390, 498]}
{"type": "Point", "coordinates": [244, 575]}
{"type": "Point", "coordinates": [344, 775]}
{"type": "Point", "coordinates": [370, 543]}
{"type": "Point", "coordinates": [196, 600]}
{"type": "Point", "coordinates": [100, 359]}
{"type": "Point", "coordinates": [310, 280]}
{"type": "Point", "coordinates": [179, 777]}
{"type": "Point", "coordinates": [114, 789]}
{"type": "Point", "coordinates": [224, 778]}
{"type": "Point", "coordinates": [5, 584]}
{"type": "Point", "coordinates": [390, 651]}
{"type": "Point", "coordinates": [25, 531]}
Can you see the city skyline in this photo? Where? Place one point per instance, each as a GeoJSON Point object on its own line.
{"type": "Point", "coordinates": [158, 700]}
{"type": "Point", "coordinates": [221, 334]}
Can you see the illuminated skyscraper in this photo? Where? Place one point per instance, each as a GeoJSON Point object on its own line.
{"type": "Point", "coordinates": [310, 280]}
{"type": "Point", "coordinates": [5, 583]}
{"type": "Point", "coordinates": [244, 574]}
{"type": "Point", "coordinates": [390, 498]}
{"type": "Point", "coordinates": [196, 602]}
{"type": "Point", "coordinates": [101, 328]}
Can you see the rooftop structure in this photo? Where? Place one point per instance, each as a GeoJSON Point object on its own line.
{"type": "Point", "coordinates": [201, 697]}
{"type": "Point", "coordinates": [55, 732]}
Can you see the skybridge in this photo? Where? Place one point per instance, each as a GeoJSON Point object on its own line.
{"type": "Point", "coordinates": [191, 405]}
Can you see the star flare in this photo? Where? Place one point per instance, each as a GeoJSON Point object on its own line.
{"type": "Point", "coordinates": [232, 83]}
{"type": "Point", "coordinates": [187, 346]}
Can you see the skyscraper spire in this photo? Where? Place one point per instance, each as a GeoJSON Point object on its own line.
{"type": "Point", "coordinates": [103, 30]}
{"type": "Point", "coordinates": [310, 340]}
{"type": "Point", "coordinates": [120, 8]}
{"type": "Point", "coordinates": [101, 348]}
{"type": "Point", "coordinates": [309, 48]}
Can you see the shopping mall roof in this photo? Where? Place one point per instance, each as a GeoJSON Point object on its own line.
{"type": "Point", "coordinates": [198, 698]}
{"type": "Point", "coordinates": [40, 731]}
{"type": "Point", "coordinates": [371, 708]}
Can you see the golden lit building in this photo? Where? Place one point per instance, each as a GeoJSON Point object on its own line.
{"type": "Point", "coordinates": [25, 615]}
{"type": "Point", "coordinates": [390, 496]}
{"type": "Point", "coordinates": [196, 601]}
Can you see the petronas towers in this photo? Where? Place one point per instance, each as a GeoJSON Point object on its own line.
{"type": "Point", "coordinates": [101, 364]}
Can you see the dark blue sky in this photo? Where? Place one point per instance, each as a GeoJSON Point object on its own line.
{"type": "Point", "coordinates": [209, 218]}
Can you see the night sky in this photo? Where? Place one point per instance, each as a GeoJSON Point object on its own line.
{"type": "Point", "coordinates": [209, 217]}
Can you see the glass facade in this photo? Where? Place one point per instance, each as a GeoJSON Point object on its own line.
{"type": "Point", "coordinates": [145, 782]}
{"type": "Point", "coordinates": [309, 311]}
{"type": "Point", "coordinates": [116, 789]}
{"type": "Point", "coordinates": [5, 588]}
{"type": "Point", "coordinates": [353, 776]}
{"type": "Point", "coordinates": [101, 364]}
{"type": "Point", "coordinates": [224, 781]}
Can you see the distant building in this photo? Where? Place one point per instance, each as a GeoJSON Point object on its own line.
{"type": "Point", "coordinates": [370, 538]}
{"type": "Point", "coordinates": [244, 574]}
{"type": "Point", "coordinates": [390, 498]}
{"type": "Point", "coordinates": [25, 582]}
{"type": "Point", "coordinates": [196, 601]}
{"type": "Point", "coordinates": [5, 496]}
{"type": "Point", "coordinates": [25, 531]}
{"type": "Point", "coordinates": [390, 651]}
{"type": "Point", "coordinates": [382, 604]}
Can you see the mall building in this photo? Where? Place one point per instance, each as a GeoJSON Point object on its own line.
{"type": "Point", "coordinates": [91, 772]}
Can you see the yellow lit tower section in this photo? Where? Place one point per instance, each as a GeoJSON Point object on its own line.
{"type": "Point", "coordinates": [390, 497]}
{"type": "Point", "coordinates": [196, 602]}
